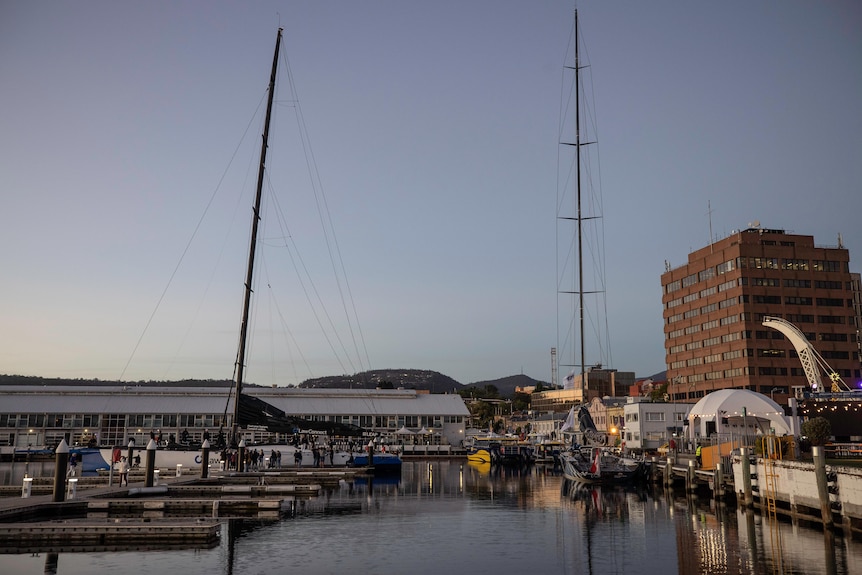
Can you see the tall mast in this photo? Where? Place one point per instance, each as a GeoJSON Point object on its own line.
{"type": "Point", "coordinates": [240, 359]}
{"type": "Point", "coordinates": [580, 218]}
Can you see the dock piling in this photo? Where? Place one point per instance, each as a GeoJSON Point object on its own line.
{"type": "Point", "coordinates": [62, 461]}
{"type": "Point", "coordinates": [822, 487]}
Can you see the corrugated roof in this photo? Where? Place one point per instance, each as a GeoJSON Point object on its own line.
{"type": "Point", "coordinates": [200, 400]}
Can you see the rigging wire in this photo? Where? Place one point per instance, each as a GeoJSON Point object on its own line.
{"type": "Point", "coordinates": [190, 241]}
{"type": "Point", "coordinates": [329, 230]}
{"type": "Point", "coordinates": [596, 308]}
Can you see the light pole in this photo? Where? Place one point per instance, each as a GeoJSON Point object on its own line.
{"type": "Point", "coordinates": [772, 392]}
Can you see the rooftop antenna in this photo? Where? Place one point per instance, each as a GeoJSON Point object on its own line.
{"type": "Point", "coordinates": [709, 214]}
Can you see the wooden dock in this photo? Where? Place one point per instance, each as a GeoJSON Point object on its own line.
{"type": "Point", "coordinates": [179, 511]}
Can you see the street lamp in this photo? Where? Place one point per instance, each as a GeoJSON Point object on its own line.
{"type": "Point", "coordinates": [772, 392]}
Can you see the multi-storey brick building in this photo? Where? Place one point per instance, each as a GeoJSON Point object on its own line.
{"type": "Point", "coordinates": [714, 306]}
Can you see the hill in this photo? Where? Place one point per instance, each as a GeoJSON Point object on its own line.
{"type": "Point", "coordinates": [421, 379]}
{"type": "Point", "coordinates": [506, 385]}
{"type": "Point", "coordinates": [432, 381]}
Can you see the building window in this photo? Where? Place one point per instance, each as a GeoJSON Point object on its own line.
{"type": "Point", "coordinates": [833, 319]}
{"type": "Point", "coordinates": [793, 300]}
{"type": "Point", "coordinates": [727, 266]}
{"type": "Point", "coordinates": [830, 302]}
{"type": "Point", "coordinates": [826, 266]}
{"type": "Point", "coordinates": [832, 336]}
{"type": "Point", "coordinates": [770, 353]}
{"type": "Point", "coordinates": [709, 291]}
{"type": "Point", "coordinates": [763, 263]}
{"type": "Point", "coordinates": [653, 416]}
{"type": "Point", "coordinates": [706, 274]}
{"type": "Point", "coordinates": [769, 299]}
{"type": "Point", "coordinates": [794, 264]}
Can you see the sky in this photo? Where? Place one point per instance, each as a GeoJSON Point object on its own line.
{"type": "Point", "coordinates": [429, 132]}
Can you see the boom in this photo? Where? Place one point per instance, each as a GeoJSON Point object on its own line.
{"type": "Point", "coordinates": [809, 357]}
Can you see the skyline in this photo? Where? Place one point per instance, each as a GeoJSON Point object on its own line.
{"type": "Point", "coordinates": [435, 135]}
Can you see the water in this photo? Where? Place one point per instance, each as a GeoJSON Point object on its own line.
{"type": "Point", "coordinates": [446, 518]}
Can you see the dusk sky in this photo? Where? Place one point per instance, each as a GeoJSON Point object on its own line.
{"type": "Point", "coordinates": [129, 141]}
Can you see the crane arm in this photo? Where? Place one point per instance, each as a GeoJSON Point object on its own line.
{"type": "Point", "coordinates": [808, 356]}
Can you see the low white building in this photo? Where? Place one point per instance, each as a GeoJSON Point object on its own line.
{"type": "Point", "coordinates": [111, 414]}
{"type": "Point", "coordinates": [649, 425]}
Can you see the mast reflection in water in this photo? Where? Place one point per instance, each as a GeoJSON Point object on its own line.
{"type": "Point", "coordinates": [451, 517]}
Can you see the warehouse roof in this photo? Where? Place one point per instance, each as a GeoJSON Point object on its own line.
{"type": "Point", "coordinates": [175, 399]}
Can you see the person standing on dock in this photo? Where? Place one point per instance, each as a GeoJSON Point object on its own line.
{"type": "Point", "coordinates": [123, 470]}
{"type": "Point", "coordinates": [73, 464]}
{"type": "Point", "coordinates": [697, 454]}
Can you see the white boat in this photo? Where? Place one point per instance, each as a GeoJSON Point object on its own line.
{"type": "Point", "coordinates": [591, 459]}
{"type": "Point", "coordinates": [193, 459]}
{"type": "Point", "coordinates": [600, 465]}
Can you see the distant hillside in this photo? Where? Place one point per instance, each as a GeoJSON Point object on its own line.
{"type": "Point", "coordinates": [388, 378]}
{"type": "Point", "coordinates": [421, 379]}
{"type": "Point", "coordinates": [36, 380]}
{"type": "Point", "coordinates": [506, 385]}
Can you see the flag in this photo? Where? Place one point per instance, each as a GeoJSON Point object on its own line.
{"type": "Point", "coordinates": [569, 423]}
{"type": "Point", "coordinates": [570, 381]}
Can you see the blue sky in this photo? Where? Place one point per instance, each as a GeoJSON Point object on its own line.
{"type": "Point", "coordinates": [434, 130]}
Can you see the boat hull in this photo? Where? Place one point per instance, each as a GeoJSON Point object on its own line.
{"type": "Point", "coordinates": [381, 462]}
{"type": "Point", "coordinates": [193, 458]}
{"type": "Point", "coordinates": [481, 456]}
{"type": "Point", "coordinates": [598, 466]}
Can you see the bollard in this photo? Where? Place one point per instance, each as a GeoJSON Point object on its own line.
{"type": "Point", "coordinates": [205, 458]}
{"type": "Point", "coordinates": [718, 483]}
{"type": "Point", "coordinates": [179, 469]}
{"type": "Point", "coordinates": [155, 477]}
{"type": "Point", "coordinates": [689, 478]}
{"type": "Point", "coordinates": [62, 461]}
{"type": "Point", "coordinates": [151, 463]}
{"type": "Point", "coordinates": [27, 488]}
{"type": "Point", "coordinates": [240, 456]}
{"type": "Point", "coordinates": [73, 488]}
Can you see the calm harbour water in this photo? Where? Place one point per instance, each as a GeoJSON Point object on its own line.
{"type": "Point", "coordinates": [451, 517]}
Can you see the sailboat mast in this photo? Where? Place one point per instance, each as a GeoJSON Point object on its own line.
{"type": "Point", "coordinates": [246, 306]}
{"type": "Point", "coordinates": [580, 218]}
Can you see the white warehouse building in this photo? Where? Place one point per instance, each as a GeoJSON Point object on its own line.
{"type": "Point", "coordinates": [112, 414]}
